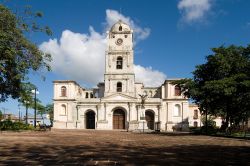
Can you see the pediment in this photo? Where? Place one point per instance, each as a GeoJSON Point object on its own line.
{"type": "Point", "coordinates": [119, 97]}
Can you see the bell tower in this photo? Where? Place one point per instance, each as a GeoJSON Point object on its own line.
{"type": "Point", "coordinates": [119, 74]}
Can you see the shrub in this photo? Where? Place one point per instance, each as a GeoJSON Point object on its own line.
{"type": "Point", "coordinates": [9, 125]}
{"type": "Point", "coordinates": [195, 130]}
{"type": "Point", "coordinates": [210, 130]}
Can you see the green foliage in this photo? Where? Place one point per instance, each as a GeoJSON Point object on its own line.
{"type": "Point", "coordinates": [1, 115]}
{"type": "Point", "coordinates": [9, 125]}
{"type": "Point", "coordinates": [18, 55]}
{"type": "Point", "coordinates": [26, 96]}
{"type": "Point", "coordinates": [221, 86]}
{"type": "Point", "coordinates": [210, 130]}
{"type": "Point", "coordinates": [210, 121]}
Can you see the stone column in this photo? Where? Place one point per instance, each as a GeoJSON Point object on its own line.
{"type": "Point", "coordinates": [101, 112]}
{"type": "Point", "coordinates": [109, 85]}
{"type": "Point", "coordinates": [182, 112]}
{"type": "Point", "coordinates": [129, 111]}
{"type": "Point", "coordinates": [159, 112]}
{"type": "Point", "coordinates": [97, 112]}
{"type": "Point", "coordinates": [137, 113]}
{"type": "Point", "coordinates": [127, 60]}
{"type": "Point", "coordinates": [166, 124]}
{"type": "Point", "coordinates": [133, 112]}
{"type": "Point", "coordinates": [163, 92]}
{"type": "Point", "coordinates": [77, 116]}
{"type": "Point", "coordinates": [105, 111]}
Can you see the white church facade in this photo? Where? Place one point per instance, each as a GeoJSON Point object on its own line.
{"type": "Point", "coordinates": [120, 102]}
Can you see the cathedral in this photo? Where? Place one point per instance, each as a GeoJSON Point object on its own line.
{"type": "Point", "coordinates": [120, 102]}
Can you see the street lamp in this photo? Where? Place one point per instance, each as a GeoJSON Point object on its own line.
{"type": "Point", "coordinates": [26, 117]}
{"type": "Point", "coordinates": [19, 112]}
{"type": "Point", "coordinates": [35, 92]}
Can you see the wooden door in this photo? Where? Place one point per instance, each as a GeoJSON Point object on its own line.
{"type": "Point", "coordinates": [119, 119]}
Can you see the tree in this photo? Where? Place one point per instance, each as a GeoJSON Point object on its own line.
{"type": "Point", "coordinates": [1, 115]}
{"type": "Point", "coordinates": [221, 86]}
{"type": "Point", "coordinates": [18, 55]}
{"type": "Point", "coordinates": [209, 121]}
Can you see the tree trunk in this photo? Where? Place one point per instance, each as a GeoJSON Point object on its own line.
{"type": "Point", "coordinates": [206, 124]}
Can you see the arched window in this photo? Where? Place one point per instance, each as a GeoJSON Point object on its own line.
{"type": "Point", "coordinates": [177, 90]}
{"type": "Point", "coordinates": [91, 95]}
{"type": "Point", "coordinates": [87, 95]}
{"type": "Point", "coordinates": [119, 63]}
{"type": "Point", "coordinates": [195, 114]}
{"type": "Point", "coordinates": [177, 110]}
{"type": "Point", "coordinates": [119, 87]}
{"type": "Point", "coordinates": [195, 124]}
{"type": "Point", "coordinates": [63, 109]}
{"type": "Point", "coordinates": [63, 91]}
{"type": "Point", "coordinates": [120, 28]}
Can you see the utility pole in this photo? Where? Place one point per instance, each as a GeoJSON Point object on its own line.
{"type": "Point", "coordinates": [35, 111]}
{"type": "Point", "coordinates": [19, 112]}
{"type": "Point", "coordinates": [35, 92]}
{"type": "Point", "coordinates": [206, 124]}
{"type": "Point", "coordinates": [26, 116]}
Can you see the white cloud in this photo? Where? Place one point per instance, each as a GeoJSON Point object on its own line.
{"type": "Point", "coordinates": [194, 10]}
{"type": "Point", "coordinates": [81, 57]}
{"type": "Point", "coordinates": [149, 76]}
{"type": "Point", "coordinates": [78, 56]}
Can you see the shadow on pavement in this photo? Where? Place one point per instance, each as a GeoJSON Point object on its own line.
{"type": "Point", "coordinates": [112, 154]}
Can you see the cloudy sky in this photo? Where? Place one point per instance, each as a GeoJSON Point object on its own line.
{"type": "Point", "coordinates": [171, 37]}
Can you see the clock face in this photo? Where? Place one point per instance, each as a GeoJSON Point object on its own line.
{"type": "Point", "coordinates": [119, 41]}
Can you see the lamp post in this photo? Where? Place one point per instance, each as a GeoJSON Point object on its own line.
{"type": "Point", "coordinates": [35, 92]}
{"type": "Point", "coordinates": [26, 116]}
{"type": "Point", "coordinates": [19, 112]}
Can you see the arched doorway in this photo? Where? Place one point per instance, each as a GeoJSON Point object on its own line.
{"type": "Point", "coordinates": [150, 119]}
{"type": "Point", "coordinates": [119, 119]}
{"type": "Point", "coordinates": [90, 120]}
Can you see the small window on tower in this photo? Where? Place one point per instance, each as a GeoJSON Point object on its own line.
{"type": "Point", "coordinates": [119, 87]}
{"type": "Point", "coordinates": [125, 36]}
{"type": "Point", "coordinates": [195, 114]}
{"type": "Point", "coordinates": [177, 90]}
{"type": "Point", "coordinates": [113, 36]}
{"type": "Point", "coordinates": [195, 124]}
{"type": "Point", "coordinates": [119, 63]}
{"type": "Point", "coordinates": [63, 91]}
{"type": "Point", "coordinates": [120, 28]}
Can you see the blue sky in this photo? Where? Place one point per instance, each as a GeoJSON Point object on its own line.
{"type": "Point", "coordinates": [173, 36]}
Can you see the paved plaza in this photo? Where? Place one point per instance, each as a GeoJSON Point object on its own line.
{"type": "Point", "coordinates": [91, 147]}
